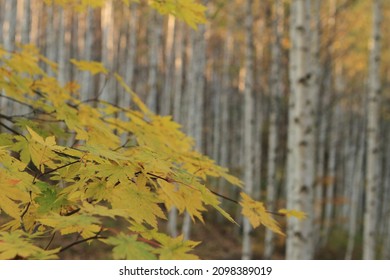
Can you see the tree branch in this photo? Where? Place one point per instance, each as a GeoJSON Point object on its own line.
{"type": "Point", "coordinates": [82, 241]}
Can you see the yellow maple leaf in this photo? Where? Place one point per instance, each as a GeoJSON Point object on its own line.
{"type": "Point", "coordinates": [84, 224]}
{"type": "Point", "coordinates": [175, 248]}
{"type": "Point", "coordinates": [256, 213]}
{"type": "Point", "coordinates": [293, 213]}
{"type": "Point", "coordinates": [91, 66]}
{"type": "Point", "coordinates": [41, 150]}
{"type": "Point", "coordinates": [17, 243]}
{"type": "Point", "coordinates": [171, 195]}
{"type": "Point", "coordinates": [188, 10]}
{"type": "Point", "coordinates": [138, 202]}
{"type": "Point", "coordinates": [134, 96]}
{"type": "Point", "coordinates": [129, 248]}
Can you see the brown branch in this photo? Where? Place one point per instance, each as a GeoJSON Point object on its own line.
{"type": "Point", "coordinates": [50, 241]}
{"type": "Point", "coordinates": [11, 129]}
{"type": "Point", "coordinates": [215, 193]}
{"type": "Point", "coordinates": [82, 241]}
{"type": "Point", "coordinates": [55, 169]}
{"type": "Point", "coordinates": [17, 101]}
{"type": "Point", "coordinates": [70, 213]}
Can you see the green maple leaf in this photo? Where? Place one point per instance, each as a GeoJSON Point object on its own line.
{"type": "Point", "coordinates": [175, 248]}
{"type": "Point", "coordinates": [129, 248]}
{"type": "Point", "coordinates": [49, 199]}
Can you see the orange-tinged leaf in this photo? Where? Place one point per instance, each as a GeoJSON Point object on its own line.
{"type": "Point", "coordinates": [10, 195]}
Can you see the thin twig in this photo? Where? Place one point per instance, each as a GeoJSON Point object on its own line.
{"type": "Point", "coordinates": [55, 169]}
{"type": "Point", "coordinates": [11, 129]}
{"type": "Point", "coordinates": [215, 193]}
{"type": "Point", "coordinates": [51, 240]}
{"type": "Point", "coordinates": [82, 241]}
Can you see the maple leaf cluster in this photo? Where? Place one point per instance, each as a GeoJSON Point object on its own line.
{"type": "Point", "coordinates": [70, 168]}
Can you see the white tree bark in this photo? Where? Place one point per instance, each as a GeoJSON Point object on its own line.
{"type": "Point", "coordinates": [333, 130]}
{"type": "Point", "coordinates": [86, 91]}
{"type": "Point", "coordinates": [166, 99]}
{"type": "Point", "coordinates": [177, 103]}
{"type": "Point", "coordinates": [26, 23]}
{"type": "Point", "coordinates": [178, 73]}
{"type": "Point", "coordinates": [107, 27]}
{"type": "Point", "coordinates": [131, 48]}
{"type": "Point", "coordinates": [2, 23]}
{"type": "Point", "coordinates": [195, 91]}
{"type": "Point", "coordinates": [386, 207]}
{"type": "Point", "coordinates": [356, 186]}
{"type": "Point", "coordinates": [10, 23]}
{"type": "Point", "coordinates": [373, 167]}
{"type": "Point", "coordinates": [248, 124]}
{"type": "Point", "coordinates": [51, 38]}
{"type": "Point", "coordinates": [154, 42]}
{"type": "Point", "coordinates": [300, 196]}
{"type": "Point", "coordinates": [63, 49]}
{"type": "Point", "coordinates": [276, 88]}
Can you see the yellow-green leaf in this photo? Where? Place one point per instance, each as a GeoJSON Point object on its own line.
{"type": "Point", "coordinates": [17, 244]}
{"type": "Point", "coordinates": [129, 248]}
{"type": "Point", "coordinates": [138, 201]}
{"type": "Point", "coordinates": [293, 213]}
{"type": "Point", "coordinates": [175, 248]}
{"type": "Point", "coordinates": [256, 213]}
{"type": "Point", "coordinates": [91, 66]}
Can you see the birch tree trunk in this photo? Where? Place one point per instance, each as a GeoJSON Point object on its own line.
{"type": "Point", "coordinates": [356, 188]}
{"type": "Point", "coordinates": [195, 90]}
{"type": "Point", "coordinates": [178, 72]}
{"type": "Point", "coordinates": [248, 124]}
{"type": "Point", "coordinates": [107, 27]}
{"type": "Point", "coordinates": [371, 203]}
{"type": "Point", "coordinates": [10, 23]}
{"type": "Point", "coordinates": [2, 23]}
{"type": "Point", "coordinates": [333, 130]}
{"type": "Point", "coordinates": [154, 42]}
{"type": "Point", "coordinates": [300, 197]}
{"type": "Point", "coordinates": [166, 99]}
{"type": "Point", "coordinates": [86, 91]}
{"type": "Point", "coordinates": [63, 49]}
{"type": "Point", "coordinates": [26, 23]}
{"type": "Point", "coordinates": [386, 207]}
{"type": "Point", "coordinates": [224, 131]}
{"type": "Point", "coordinates": [50, 43]}
{"type": "Point", "coordinates": [276, 90]}
{"type": "Point", "coordinates": [177, 103]}
{"type": "Point", "coordinates": [131, 48]}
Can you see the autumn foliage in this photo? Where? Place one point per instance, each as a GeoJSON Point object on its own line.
{"type": "Point", "coordinates": [71, 166]}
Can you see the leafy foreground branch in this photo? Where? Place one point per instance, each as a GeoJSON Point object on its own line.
{"type": "Point", "coordinates": [68, 168]}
